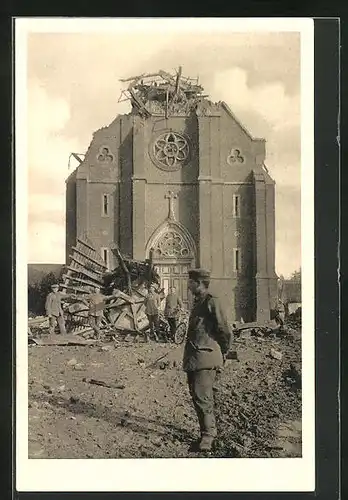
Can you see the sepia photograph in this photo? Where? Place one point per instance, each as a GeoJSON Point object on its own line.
{"type": "Point", "coordinates": [164, 186]}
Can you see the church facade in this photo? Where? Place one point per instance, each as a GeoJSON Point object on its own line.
{"type": "Point", "coordinates": [181, 179]}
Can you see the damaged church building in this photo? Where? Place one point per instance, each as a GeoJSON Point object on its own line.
{"type": "Point", "coordinates": [180, 179]}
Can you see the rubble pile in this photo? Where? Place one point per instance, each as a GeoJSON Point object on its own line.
{"type": "Point", "coordinates": [294, 321]}
{"type": "Point", "coordinates": [124, 290]}
{"type": "Point", "coordinates": [263, 396]}
{"type": "Point", "coordinates": [139, 272]}
{"type": "Point", "coordinates": [132, 400]}
{"type": "Point", "coordinates": [36, 325]}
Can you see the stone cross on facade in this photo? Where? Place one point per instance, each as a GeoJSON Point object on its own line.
{"type": "Point", "coordinates": [171, 197]}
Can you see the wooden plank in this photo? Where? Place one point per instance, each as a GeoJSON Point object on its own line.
{"type": "Point", "coordinates": [123, 266]}
{"type": "Point", "coordinates": [71, 287]}
{"type": "Point", "coordinates": [73, 258]}
{"type": "Point", "coordinates": [86, 273]}
{"type": "Point", "coordinates": [63, 340]}
{"type": "Point", "coordinates": [80, 280]}
{"type": "Point", "coordinates": [116, 318]}
{"type": "Point", "coordinates": [86, 244]}
{"type": "Point", "coordinates": [135, 318]}
{"type": "Point", "coordinates": [89, 258]}
{"type": "Point", "coordinates": [115, 306]}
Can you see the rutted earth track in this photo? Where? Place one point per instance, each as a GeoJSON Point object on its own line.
{"type": "Point", "coordinates": [258, 401]}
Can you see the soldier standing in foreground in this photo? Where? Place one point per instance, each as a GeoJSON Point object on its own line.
{"type": "Point", "coordinates": [208, 340]}
{"type": "Point", "coordinates": [54, 310]}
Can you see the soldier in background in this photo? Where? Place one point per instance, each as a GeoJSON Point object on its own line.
{"type": "Point", "coordinates": [208, 340]}
{"type": "Point", "coordinates": [172, 308]}
{"type": "Point", "coordinates": [54, 310]}
{"type": "Point", "coordinates": [152, 304]}
{"type": "Point", "coordinates": [95, 313]}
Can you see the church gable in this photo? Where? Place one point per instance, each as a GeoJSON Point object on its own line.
{"type": "Point", "coordinates": [239, 151]}
{"type": "Point", "coordinates": [181, 179]}
{"type": "Point", "coordinates": [102, 159]}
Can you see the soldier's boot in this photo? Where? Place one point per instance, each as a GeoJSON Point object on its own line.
{"type": "Point", "coordinates": [206, 443]}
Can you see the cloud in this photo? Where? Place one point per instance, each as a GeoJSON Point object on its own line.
{"type": "Point", "coordinates": [85, 71]}
{"type": "Point", "coordinates": [46, 243]}
{"type": "Point", "coordinates": [288, 230]}
{"type": "Point", "coordinates": [74, 88]}
{"type": "Point", "coordinates": [48, 154]}
{"type": "Point", "coordinates": [266, 99]}
{"type": "Point", "coordinates": [266, 111]}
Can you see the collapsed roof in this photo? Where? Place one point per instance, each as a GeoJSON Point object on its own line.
{"type": "Point", "coordinates": [162, 93]}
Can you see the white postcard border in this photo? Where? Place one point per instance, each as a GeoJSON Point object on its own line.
{"type": "Point", "coordinates": [294, 474]}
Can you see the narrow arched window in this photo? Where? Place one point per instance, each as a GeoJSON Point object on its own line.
{"type": "Point", "coordinates": [236, 205]}
{"type": "Point", "coordinates": [105, 205]}
{"type": "Point", "coordinates": [236, 260]}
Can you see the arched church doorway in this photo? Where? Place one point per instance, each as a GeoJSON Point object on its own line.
{"type": "Point", "coordinates": [173, 254]}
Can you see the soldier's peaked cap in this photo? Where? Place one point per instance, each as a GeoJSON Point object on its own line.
{"type": "Point", "coordinates": [199, 274]}
{"type": "Point", "coordinates": [55, 285]}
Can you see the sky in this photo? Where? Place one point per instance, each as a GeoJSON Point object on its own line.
{"type": "Point", "coordinates": [73, 89]}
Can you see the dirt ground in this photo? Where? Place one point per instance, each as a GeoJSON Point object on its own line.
{"type": "Point", "coordinates": [258, 401]}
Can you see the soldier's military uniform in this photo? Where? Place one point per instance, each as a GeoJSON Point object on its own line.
{"type": "Point", "coordinates": [95, 313]}
{"type": "Point", "coordinates": [208, 339]}
{"type": "Point", "coordinates": [54, 310]}
{"type": "Point", "coordinates": [152, 305]}
{"type": "Point", "coordinates": [172, 308]}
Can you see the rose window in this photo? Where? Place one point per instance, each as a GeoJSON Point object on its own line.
{"type": "Point", "coordinates": [171, 245]}
{"type": "Point", "coordinates": [170, 151]}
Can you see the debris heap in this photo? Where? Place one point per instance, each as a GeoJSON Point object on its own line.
{"type": "Point", "coordinates": [266, 394]}
{"type": "Point", "coordinates": [124, 290]}
{"type": "Point", "coordinates": [129, 274]}
{"type": "Point", "coordinates": [161, 93]}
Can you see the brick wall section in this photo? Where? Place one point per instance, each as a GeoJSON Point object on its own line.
{"type": "Point", "coordinates": [70, 215]}
{"type": "Point", "coordinates": [205, 187]}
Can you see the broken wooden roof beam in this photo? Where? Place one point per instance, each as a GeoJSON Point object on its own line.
{"type": "Point", "coordinates": [81, 280]}
{"type": "Point", "coordinates": [85, 272]}
{"type": "Point", "coordinates": [115, 250]}
{"type": "Point", "coordinates": [83, 263]}
{"type": "Point", "coordinates": [88, 257]}
{"type": "Point", "coordinates": [77, 290]}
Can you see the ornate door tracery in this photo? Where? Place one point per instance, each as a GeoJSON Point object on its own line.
{"type": "Point", "coordinates": [173, 254]}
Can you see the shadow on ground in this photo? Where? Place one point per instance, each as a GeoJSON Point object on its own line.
{"type": "Point", "coordinates": [125, 419]}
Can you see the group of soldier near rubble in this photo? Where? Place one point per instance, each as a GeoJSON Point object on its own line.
{"type": "Point", "coordinates": [208, 340]}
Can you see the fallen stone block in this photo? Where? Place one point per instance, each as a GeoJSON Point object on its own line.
{"type": "Point", "coordinates": [79, 366]}
{"type": "Point", "coordinates": [163, 365]}
{"type": "Point", "coordinates": [106, 348]}
{"type": "Point", "coordinates": [276, 354]}
{"type": "Point", "coordinates": [292, 377]}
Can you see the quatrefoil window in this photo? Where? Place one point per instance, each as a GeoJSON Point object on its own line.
{"type": "Point", "coordinates": [235, 156]}
{"type": "Point", "coordinates": [170, 151]}
{"type": "Point", "coordinates": [105, 155]}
